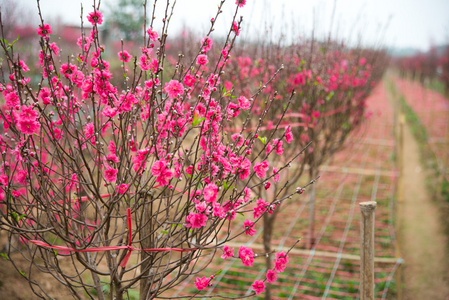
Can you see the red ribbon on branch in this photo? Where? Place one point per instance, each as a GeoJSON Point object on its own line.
{"type": "Point", "coordinates": [111, 248]}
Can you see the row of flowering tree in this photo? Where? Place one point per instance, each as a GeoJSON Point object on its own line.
{"type": "Point", "coordinates": [432, 65]}
{"type": "Point", "coordinates": [96, 169]}
{"type": "Point", "coordinates": [328, 84]}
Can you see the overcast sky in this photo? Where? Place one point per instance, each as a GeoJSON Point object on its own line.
{"type": "Point", "coordinates": [395, 23]}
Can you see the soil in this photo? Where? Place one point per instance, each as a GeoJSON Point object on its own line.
{"type": "Point", "coordinates": [422, 236]}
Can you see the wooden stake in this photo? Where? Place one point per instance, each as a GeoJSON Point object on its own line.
{"type": "Point", "coordinates": [367, 250]}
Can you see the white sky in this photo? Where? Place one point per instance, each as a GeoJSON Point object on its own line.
{"type": "Point", "coordinates": [413, 23]}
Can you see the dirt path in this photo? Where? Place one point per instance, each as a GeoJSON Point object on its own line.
{"type": "Point", "coordinates": [423, 241]}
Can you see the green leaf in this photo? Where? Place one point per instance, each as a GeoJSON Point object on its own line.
{"type": "Point", "coordinates": [4, 256]}
{"type": "Point", "coordinates": [22, 273]}
{"type": "Point", "coordinates": [219, 272]}
{"type": "Point", "coordinates": [263, 139]}
{"type": "Point", "coordinates": [10, 45]}
{"type": "Point", "coordinates": [15, 216]}
{"type": "Point", "coordinates": [55, 252]}
{"type": "Point", "coordinates": [197, 120]}
{"type": "Point", "coordinates": [331, 94]}
{"type": "Point", "coordinates": [164, 231]}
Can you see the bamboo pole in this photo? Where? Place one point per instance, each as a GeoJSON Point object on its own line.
{"type": "Point", "coordinates": [367, 250]}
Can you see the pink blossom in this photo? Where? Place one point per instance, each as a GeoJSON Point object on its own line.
{"type": "Point", "coordinates": [201, 283]}
{"type": "Point", "coordinates": [227, 252]}
{"type": "Point", "coordinates": [29, 126]}
{"type": "Point", "coordinates": [288, 134]}
{"type": "Point", "coordinates": [269, 148]}
{"type": "Point", "coordinates": [54, 48]}
{"type": "Point", "coordinates": [202, 207]}
{"type": "Point", "coordinates": [258, 286]}
{"type": "Point", "coordinates": [247, 256]}
{"type": "Point", "coordinates": [240, 3]}
{"type": "Point", "coordinates": [276, 175]}
{"type": "Point", "coordinates": [196, 220]}
{"type": "Point", "coordinates": [44, 30]}
{"type": "Point", "coordinates": [248, 225]}
{"type": "Point", "coordinates": [261, 207]}
{"type": "Point", "coordinates": [152, 34]}
{"type": "Point", "coordinates": [110, 174]}
{"type": "Point", "coordinates": [267, 185]}
{"type": "Point", "coordinates": [122, 188]}
{"type": "Point", "coordinates": [68, 69]}
{"type": "Point", "coordinates": [189, 80]}
{"type": "Point", "coordinates": [271, 276]}
{"type": "Point", "coordinates": [210, 192]}
{"type": "Point", "coordinates": [112, 158]}
{"type": "Point", "coordinates": [238, 139]}
{"type": "Point", "coordinates": [235, 28]}
{"type": "Point", "coordinates": [158, 167]}
{"type": "Point", "coordinates": [28, 113]}
{"type": "Point", "coordinates": [279, 149]}
{"type": "Point", "coordinates": [206, 43]}
{"type": "Point", "coordinates": [174, 88]}
{"type": "Point", "coordinates": [280, 262]}
{"type": "Point", "coordinates": [244, 169]}
{"type": "Point", "coordinates": [202, 60]}
{"type": "Point", "coordinates": [12, 100]}
{"type": "Point", "coordinates": [89, 132]}
{"type": "Point", "coordinates": [261, 169]}
{"type": "Point", "coordinates": [95, 17]}
{"type": "Point", "coordinates": [44, 95]}
{"type": "Point", "coordinates": [124, 56]}
{"type": "Point", "coordinates": [247, 195]}
{"type": "Point", "coordinates": [244, 103]}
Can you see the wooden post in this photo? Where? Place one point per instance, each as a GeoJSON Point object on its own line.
{"type": "Point", "coordinates": [367, 250]}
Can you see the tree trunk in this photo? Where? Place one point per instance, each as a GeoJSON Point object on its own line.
{"type": "Point", "coordinates": [268, 222]}
{"type": "Point", "coordinates": [146, 243]}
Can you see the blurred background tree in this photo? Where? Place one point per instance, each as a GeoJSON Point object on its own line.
{"type": "Point", "coordinates": [125, 20]}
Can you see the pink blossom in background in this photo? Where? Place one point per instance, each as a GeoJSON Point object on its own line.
{"type": "Point", "coordinates": [258, 286]}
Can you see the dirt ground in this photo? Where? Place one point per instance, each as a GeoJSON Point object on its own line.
{"type": "Point", "coordinates": [422, 237]}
